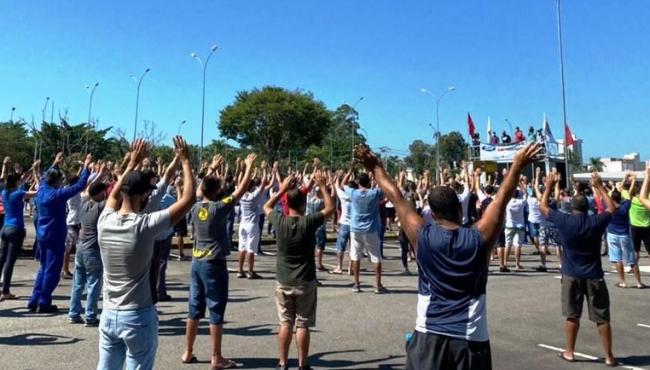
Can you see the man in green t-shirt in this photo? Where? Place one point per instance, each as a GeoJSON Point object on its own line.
{"type": "Point", "coordinates": [639, 214]}
{"type": "Point", "coordinates": [295, 293]}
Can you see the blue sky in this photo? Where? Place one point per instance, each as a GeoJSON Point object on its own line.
{"type": "Point", "coordinates": [500, 54]}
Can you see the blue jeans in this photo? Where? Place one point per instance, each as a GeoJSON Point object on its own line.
{"type": "Point", "coordinates": [208, 289]}
{"type": "Point", "coordinates": [49, 273]}
{"type": "Point", "coordinates": [128, 335]}
{"type": "Point", "coordinates": [12, 243]}
{"type": "Point", "coordinates": [321, 236]}
{"type": "Point", "coordinates": [343, 238]}
{"type": "Point", "coordinates": [88, 269]}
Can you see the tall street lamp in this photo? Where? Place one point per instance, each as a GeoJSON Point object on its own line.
{"type": "Point", "coordinates": [353, 128]}
{"type": "Point", "coordinates": [204, 65]}
{"type": "Point", "coordinates": [559, 38]}
{"type": "Point", "coordinates": [178, 133]}
{"type": "Point", "coordinates": [12, 114]}
{"type": "Point", "coordinates": [449, 89]}
{"type": "Point", "coordinates": [90, 107]}
{"type": "Point", "coordinates": [137, 100]}
{"type": "Point", "coordinates": [47, 100]}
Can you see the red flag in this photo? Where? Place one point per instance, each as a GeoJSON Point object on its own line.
{"type": "Point", "coordinates": [568, 136]}
{"type": "Point", "coordinates": [470, 124]}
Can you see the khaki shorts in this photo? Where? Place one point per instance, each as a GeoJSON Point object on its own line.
{"type": "Point", "coordinates": [574, 291]}
{"type": "Point", "coordinates": [296, 304]}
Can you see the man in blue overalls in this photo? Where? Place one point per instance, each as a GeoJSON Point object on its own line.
{"type": "Point", "coordinates": [51, 231]}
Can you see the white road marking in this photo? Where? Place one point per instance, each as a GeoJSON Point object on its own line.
{"type": "Point", "coordinates": [557, 277]}
{"type": "Point", "coordinates": [644, 269]}
{"type": "Point", "coordinates": [588, 357]}
{"type": "Point", "coordinates": [643, 326]}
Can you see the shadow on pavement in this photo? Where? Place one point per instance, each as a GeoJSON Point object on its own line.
{"type": "Point", "coordinates": [37, 339]}
{"type": "Point", "coordinates": [317, 360]}
{"type": "Point", "coordinates": [635, 360]}
{"type": "Point", "coordinates": [176, 326]}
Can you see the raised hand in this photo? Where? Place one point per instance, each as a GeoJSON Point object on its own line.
{"type": "Point", "coordinates": [89, 158]}
{"type": "Point", "coordinates": [58, 159]}
{"type": "Point", "coordinates": [551, 180]}
{"type": "Point", "coordinates": [287, 183]}
{"type": "Point", "coordinates": [250, 159]}
{"type": "Point", "coordinates": [138, 153]}
{"type": "Point", "coordinates": [320, 178]}
{"type": "Point", "coordinates": [596, 180]}
{"type": "Point", "coordinates": [526, 155]}
{"type": "Point", "coordinates": [366, 157]}
{"type": "Point", "coordinates": [181, 149]}
{"type": "Point", "coordinates": [7, 160]}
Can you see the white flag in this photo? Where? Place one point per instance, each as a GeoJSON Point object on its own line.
{"type": "Point", "coordinates": [489, 130]}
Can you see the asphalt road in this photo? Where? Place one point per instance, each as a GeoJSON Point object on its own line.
{"type": "Point", "coordinates": [354, 331]}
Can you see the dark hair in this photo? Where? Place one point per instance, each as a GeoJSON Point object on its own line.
{"type": "Point", "coordinates": [53, 176]}
{"type": "Point", "coordinates": [353, 185]}
{"type": "Point", "coordinates": [210, 185]}
{"type": "Point", "coordinates": [12, 182]}
{"type": "Point", "coordinates": [364, 180]}
{"type": "Point", "coordinates": [72, 179]}
{"type": "Point", "coordinates": [444, 204]}
{"type": "Point", "coordinates": [296, 199]}
{"type": "Point", "coordinates": [616, 196]}
{"type": "Point", "coordinates": [580, 203]}
{"type": "Point", "coordinates": [489, 190]}
{"type": "Point", "coordinates": [96, 188]}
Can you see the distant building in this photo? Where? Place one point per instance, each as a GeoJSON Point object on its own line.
{"type": "Point", "coordinates": [575, 149]}
{"type": "Point", "coordinates": [629, 162]}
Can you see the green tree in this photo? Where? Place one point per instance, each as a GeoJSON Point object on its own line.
{"type": "Point", "coordinates": [453, 148]}
{"type": "Point", "coordinates": [16, 143]}
{"type": "Point", "coordinates": [421, 156]}
{"type": "Point", "coordinates": [273, 121]}
{"type": "Point", "coordinates": [595, 164]}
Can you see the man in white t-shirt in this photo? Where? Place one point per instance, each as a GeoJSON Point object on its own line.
{"type": "Point", "coordinates": [515, 227]}
{"type": "Point", "coordinates": [249, 227]}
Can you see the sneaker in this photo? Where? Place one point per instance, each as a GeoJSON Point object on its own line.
{"type": "Point", "coordinates": [241, 275]}
{"type": "Point", "coordinates": [32, 307]}
{"type": "Point", "coordinates": [253, 276]}
{"type": "Point", "coordinates": [504, 269]}
{"type": "Point", "coordinates": [381, 290]}
{"type": "Point", "coordinates": [92, 323]}
{"type": "Point", "coordinates": [356, 288]}
{"type": "Point", "coordinates": [282, 367]}
{"type": "Point", "coordinates": [75, 320]}
{"type": "Point", "coordinates": [541, 269]}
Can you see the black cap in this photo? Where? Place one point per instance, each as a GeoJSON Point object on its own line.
{"type": "Point", "coordinates": [136, 182]}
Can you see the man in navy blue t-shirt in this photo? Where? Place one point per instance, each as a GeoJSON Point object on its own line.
{"type": "Point", "coordinates": [451, 326]}
{"type": "Point", "coordinates": [582, 272]}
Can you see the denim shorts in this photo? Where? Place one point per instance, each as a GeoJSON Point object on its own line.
{"type": "Point", "coordinates": [208, 289]}
{"type": "Point", "coordinates": [320, 237]}
{"type": "Point", "coordinates": [342, 238]}
{"type": "Point", "coordinates": [533, 230]}
{"type": "Point", "coordinates": [620, 247]}
{"type": "Point", "coordinates": [130, 335]}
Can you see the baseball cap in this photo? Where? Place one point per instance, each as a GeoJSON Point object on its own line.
{"type": "Point", "coordinates": [137, 182]}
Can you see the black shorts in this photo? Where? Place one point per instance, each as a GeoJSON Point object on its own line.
{"type": "Point", "coordinates": [640, 235]}
{"type": "Point", "coordinates": [390, 213]}
{"type": "Point", "coordinates": [439, 352]}
{"type": "Point", "coordinates": [574, 291]}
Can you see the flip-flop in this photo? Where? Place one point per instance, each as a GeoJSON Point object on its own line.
{"type": "Point", "coordinates": [619, 285]}
{"type": "Point", "coordinates": [336, 272]}
{"type": "Point", "coordinates": [231, 365]}
{"type": "Point", "coordinates": [611, 364]}
{"type": "Point", "coordinates": [192, 360]}
{"type": "Point", "coordinates": [642, 286]}
{"type": "Point", "coordinates": [561, 355]}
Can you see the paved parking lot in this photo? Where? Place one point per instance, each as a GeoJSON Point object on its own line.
{"type": "Point", "coordinates": [354, 331]}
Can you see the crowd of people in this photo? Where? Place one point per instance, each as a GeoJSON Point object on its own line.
{"type": "Point", "coordinates": [120, 218]}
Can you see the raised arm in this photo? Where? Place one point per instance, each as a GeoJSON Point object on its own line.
{"type": "Point", "coordinates": [319, 178]}
{"type": "Point", "coordinates": [137, 153]}
{"type": "Point", "coordinates": [597, 184]}
{"type": "Point", "coordinates": [5, 164]}
{"type": "Point", "coordinates": [491, 224]}
{"type": "Point", "coordinates": [284, 186]}
{"type": "Point", "coordinates": [551, 182]}
{"type": "Point", "coordinates": [246, 179]}
{"type": "Point", "coordinates": [178, 210]}
{"type": "Point", "coordinates": [70, 191]}
{"type": "Point", "coordinates": [411, 222]}
{"type": "Point", "coordinates": [643, 196]}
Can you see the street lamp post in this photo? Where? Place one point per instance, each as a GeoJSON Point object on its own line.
{"type": "Point", "coordinates": [354, 131]}
{"type": "Point", "coordinates": [47, 100]}
{"type": "Point", "coordinates": [179, 127]}
{"type": "Point", "coordinates": [449, 89]}
{"type": "Point", "coordinates": [204, 66]}
{"type": "Point", "coordinates": [510, 125]}
{"type": "Point", "coordinates": [559, 38]}
{"type": "Point", "coordinates": [137, 100]}
{"type": "Point", "coordinates": [90, 107]}
{"type": "Point", "coordinates": [12, 114]}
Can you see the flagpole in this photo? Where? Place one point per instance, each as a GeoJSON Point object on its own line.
{"type": "Point", "coordinates": [566, 148]}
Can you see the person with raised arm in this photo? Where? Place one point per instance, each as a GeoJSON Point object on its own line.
{"type": "Point", "coordinates": [451, 327]}
{"type": "Point", "coordinates": [209, 275]}
{"type": "Point", "coordinates": [640, 216]}
{"type": "Point", "coordinates": [51, 201]}
{"type": "Point", "coordinates": [296, 288]}
{"type": "Point", "coordinates": [128, 329]}
{"type": "Point", "coordinates": [582, 271]}
{"type": "Point", "coordinates": [13, 230]}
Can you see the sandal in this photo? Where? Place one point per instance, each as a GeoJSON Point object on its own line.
{"type": "Point", "coordinates": [336, 272]}
{"type": "Point", "coordinates": [641, 286]}
{"type": "Point", "coordinates": [8, 297]}
{"type": "Point", "coordinates": [561, 355]}
{"type": "Point", "coordinates": [229, 365]}
{"type": "Point", "coordinates": [192, 360]}
{"type": "Point", "coordinates": [621, 285]}
{"type": "Point", "coordinates": [611, 364]}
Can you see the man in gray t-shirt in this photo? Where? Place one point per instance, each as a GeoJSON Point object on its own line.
{"type": "Point", "coordinates": [129, 324]}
